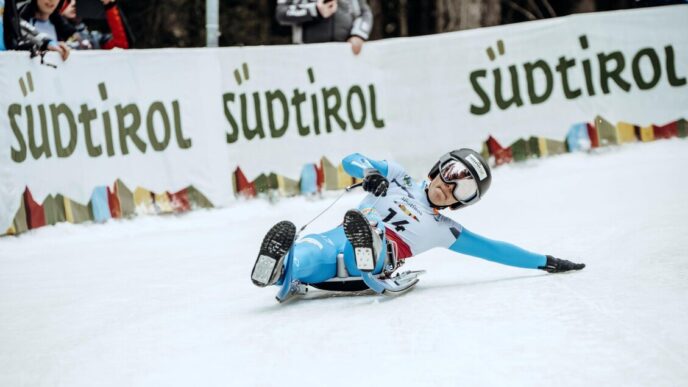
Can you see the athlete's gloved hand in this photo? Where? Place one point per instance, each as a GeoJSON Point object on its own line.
{"type": "Point", "coordinates": [375, 183]}
{"type": "Point", "coordinates": [556, 265]}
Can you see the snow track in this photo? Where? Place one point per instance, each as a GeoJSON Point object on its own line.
{"type": "Point", "coordinates": [168, 300]}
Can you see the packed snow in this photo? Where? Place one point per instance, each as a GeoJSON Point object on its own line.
{"type": "Point", "coordinates": [167, 300]}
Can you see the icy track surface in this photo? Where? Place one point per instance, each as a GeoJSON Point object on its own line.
{"type": "Point", "coordinates": [167, 301]}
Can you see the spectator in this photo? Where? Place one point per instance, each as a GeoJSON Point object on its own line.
{"type": "Point", "coordinates": [20, 35]}
{"type": "Point", "coordinates": [33, 40]}
{"type": "Point", "coordinates": [2, 25]}
{"type": "Point", "coordinates": [317, 21]}
{"type": "Point", "coordinates": [86, 39]}
{"type": "Point", "coordinates": [44, 15]}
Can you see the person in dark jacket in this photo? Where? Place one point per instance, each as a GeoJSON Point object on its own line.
{"type": "Point", "coordinates": [2, 25]}
{"type": "Point", "coordinates": [93, 39]}
{"type": "Point", "coordinates": [45, 16]}
{"type": "Point", "coordinates": [319, 21]}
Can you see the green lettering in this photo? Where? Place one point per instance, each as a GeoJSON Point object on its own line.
{"type": "Point", "coordinates": [108, 134]}
{"type": "Point", "coordinates": [502, 103]}
{"type": "Point", "coordinates": [249, 132]}
{"type": "Point", "coordinates": [356, 90]}
{"type": "Point", "coordinates": [157, 145]}
{"type": "Point", "coordinates": [233, 135]}
{"type": "Point", "coordinates": [563, 70]}
{"type": "Point", "coordinates": [674, 80]}
{"type": "Point", "coordinates": [656, 68]}
{"type": "Point", "coordinates": [102, 90]}
{"type": "Point", "coordinates": [44, 148]}
{"type": "Point", "coordinates": [107, 124]}
{"type": "Point", "coordinates": [182, 143]}
{"type": "Point", "coordinates": [587, 70]}
{"type": "Point", "coordinates": [131, 129]}
{"type": "Point", "coordinates": [85, 118]}
{"type": "Point", "coordinates": [484, 98]}
{"type": "Point", "coordinates": [316, 114]}
{"type": "Point", "coordinates": [296, 101]}
{"type": "Point", "coordinates": [18, 155]}
{"type": "Point", "coordinates": [614, 74]}
{"type": "Point", "coordinates": [56, 111]}
{"type": "Point", "coordinates": [532, 94]}
{"type": "Point", "coordinates": [378, 123]}
{"type": "Point", "coordinates": [332, 110]}
{"type": "Point", "coordinates": [270, 97]}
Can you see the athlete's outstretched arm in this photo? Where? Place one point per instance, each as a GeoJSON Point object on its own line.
{"type": "Point", "coordinates": [505, 253]}
{"type": "Point", "coordinates": [355, 165]}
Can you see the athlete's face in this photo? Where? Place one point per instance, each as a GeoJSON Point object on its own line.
{"type": "Point", "coordinates": [440, 193]}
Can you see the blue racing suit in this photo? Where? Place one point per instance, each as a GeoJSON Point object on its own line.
{"type": "Point", "coordinates": [406, 217]}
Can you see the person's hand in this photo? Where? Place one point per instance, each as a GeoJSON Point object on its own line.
{"type": "Point", "coordinates": [106, 2]}
{"type": "Point", "coordinates": [375, 183]}
{"type": "Point", "coordinates": [326, 9]}
{"type": "Point", "coordinates": [356, 44]}
{"type": "Point", "coordinates": [61, 48]}
{"type": "Point", "coordinates": [558, 265]}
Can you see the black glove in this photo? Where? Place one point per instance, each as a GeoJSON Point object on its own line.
{"type": "Point", "coordinates": [556, 265]}
{"type": "Point", "coordinates": [375, 183]}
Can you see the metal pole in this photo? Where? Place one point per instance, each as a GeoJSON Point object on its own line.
{"type": "Point", "coordinates": [212, 22]}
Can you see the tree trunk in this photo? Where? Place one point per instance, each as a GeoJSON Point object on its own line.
{"type": "Point", "coordinates": [492, 13]}
{"type": "Point", "coordinates": [264, 14]}
{"type": "Point", "coordinates": [453, 15]}
{"type": "Point", "coordinates": [584, 6]}
{"type": "Point", "coordinates": [448, 15]}
{"type": "Point", "coordinates": [403, 18]}
{"type": "Point", "coordinates": [378, 20]}
{"type": "Point", "coordinates": [470, 14]}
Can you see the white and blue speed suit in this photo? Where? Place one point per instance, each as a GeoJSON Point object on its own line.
{"type": "Point", "coordinates": [405, 217]}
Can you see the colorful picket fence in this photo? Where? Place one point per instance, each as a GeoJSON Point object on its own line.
{"type": "Point", "coordinates": [581, 137]}
{"type": "Point", "coordinates": [105, 203]}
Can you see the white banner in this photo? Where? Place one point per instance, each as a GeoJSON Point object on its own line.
{"type": "Point", "coordinates": [166, 119]}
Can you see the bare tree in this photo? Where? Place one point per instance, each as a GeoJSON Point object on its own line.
{"type": "Point", "coordinates": [378, 19]}
{"type": "Point", "coordinates": [180, 23]}
{"type": "Point", "coordinates": [491, 13]}
{"type": "Point", "coordinates": [448, 15]}
{"type": "Point", "coordinates": [403, 18]}
{"type": "Point", "coordinates": [584, 6]}
{"type": "Point", "coordinates": [470, 14]}
{"type": "Point", "coordinates": [453, 15]}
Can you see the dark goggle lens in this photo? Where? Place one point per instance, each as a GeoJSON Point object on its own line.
{"type": "Point", "coordinates": [456, 173]}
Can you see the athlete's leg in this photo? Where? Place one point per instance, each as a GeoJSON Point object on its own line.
{"type": "Point", "coordinates": [315, 256]}
{"type": "Point", "coordinates": [273, 250]}
{"type": "Point", "coordinates": [366, 246]}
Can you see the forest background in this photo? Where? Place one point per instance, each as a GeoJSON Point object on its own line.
{"type": "Point", "coordinates": [181, 23]}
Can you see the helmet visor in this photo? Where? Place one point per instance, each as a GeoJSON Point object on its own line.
{"type": "Point", "coordinates": [456, 173]}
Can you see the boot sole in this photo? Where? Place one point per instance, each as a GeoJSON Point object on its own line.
{"type": "Point", "coordinates": [358, 232]}
{"type": "Point", "coordinates": [274, 248]}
